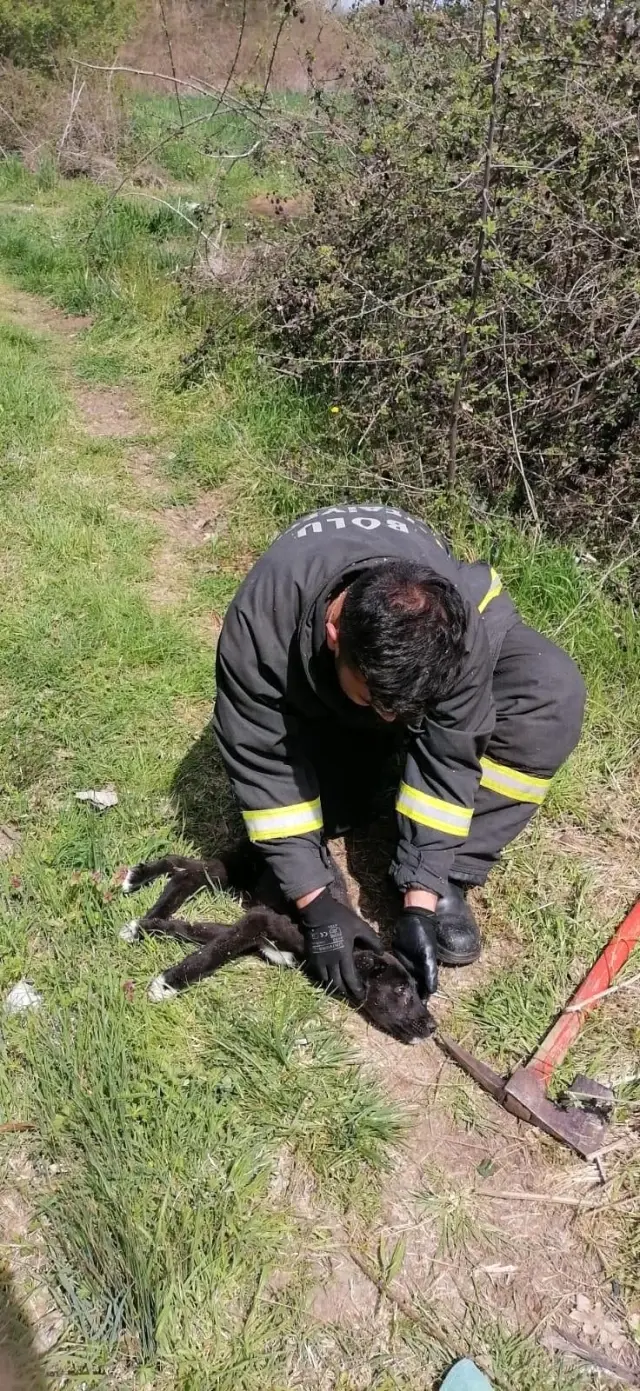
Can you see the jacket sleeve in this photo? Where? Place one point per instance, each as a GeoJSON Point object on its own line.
{"type": "Point", "coordinates": [275, 785]}
{"type": "Point", "coordinates": [436, 797]}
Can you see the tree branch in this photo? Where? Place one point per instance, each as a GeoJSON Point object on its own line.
{"type": "Point", "coordinates": [496, 77]}
{"type": "Point", "coordinates": [173, 66]}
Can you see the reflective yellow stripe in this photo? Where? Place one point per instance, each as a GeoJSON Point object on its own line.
{"type": "Point", "coordinates": [520, 787]}
{"type": "Point", "coordinates": [495, 588]}
{"type": "Point", "coordinates": [431, 811]}
{"type": "Point", "coordinates": [277, 822]}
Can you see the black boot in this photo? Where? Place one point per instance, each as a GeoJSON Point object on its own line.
{"type": "Point", "coordinates": [457, 932]}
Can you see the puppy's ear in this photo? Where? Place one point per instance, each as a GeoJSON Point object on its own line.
{"type": "Point", "coordinates": [376, 966]}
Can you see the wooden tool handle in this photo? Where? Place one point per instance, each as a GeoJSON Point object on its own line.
{"type": "Point", "coordinates": [558, 1041]}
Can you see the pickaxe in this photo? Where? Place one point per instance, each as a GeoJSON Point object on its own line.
{"type": "Point", "coordinates": [524, 1092]}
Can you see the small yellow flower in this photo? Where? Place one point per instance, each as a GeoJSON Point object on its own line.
{"type": "Point", "coordinates": [334, 410]}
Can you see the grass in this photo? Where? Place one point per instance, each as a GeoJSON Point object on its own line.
{"type": "Point", "coordinates": [458, 1226]}
{"type": "Point", "coordinates": [166, 1128]}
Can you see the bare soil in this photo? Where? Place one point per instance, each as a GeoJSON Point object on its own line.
{"type": "Point", "coordinates": [22, 1252]}
{"type": "Point", "coordinates": [488, 1208]}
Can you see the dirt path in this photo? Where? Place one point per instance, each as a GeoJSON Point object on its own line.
{"type": "Point", "coordinates": [112, 413]}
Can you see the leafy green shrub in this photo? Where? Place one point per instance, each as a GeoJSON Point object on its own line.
{"type": "Point", "coordinates": [468, 292]}
{"type": "Point", "coordinates": [32, 31]}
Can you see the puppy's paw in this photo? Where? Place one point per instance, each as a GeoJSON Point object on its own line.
{"type": "Point", "coordinates": [276, 957]}
{"type": "Point", "coordinates": [131, 931]}
{"type": "Point", "coordinates": [158, 991]}
{"type": "Point", "coordinates": [134, 878]}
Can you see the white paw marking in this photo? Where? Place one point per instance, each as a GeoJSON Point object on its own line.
{"type": "Point", "coordinates": [131, 931]}
{"type": "Point", "coordinates": [159, 990]}
{"type": "Point", "coordinates": [129, 884]}
{"type": "Point", "coordinates": [278, 958]}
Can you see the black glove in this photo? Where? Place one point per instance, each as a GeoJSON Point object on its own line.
{"type": "Point", "coordinates": [414, 943]}
{"type": "Point", "coordinates": [330, 933]}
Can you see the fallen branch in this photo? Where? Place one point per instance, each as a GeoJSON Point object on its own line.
{"type": "Point", "coordinates": [406, 1308]}
{"type": "Point", "coordinates": [559, 1343]}
{"type": "Point", "coordinates": [557, 1200]}
{"type": "Point", "coordinates": [11, 1127]}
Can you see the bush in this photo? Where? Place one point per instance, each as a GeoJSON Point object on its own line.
{"type": "Point", "coordinates": [32, 32]}
{"type": "Point", "coordinates": [468, 292]}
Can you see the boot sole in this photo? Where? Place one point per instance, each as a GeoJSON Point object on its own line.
{"type": "Point", "coordinates": [451, 958]}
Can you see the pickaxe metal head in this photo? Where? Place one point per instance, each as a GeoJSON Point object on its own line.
{"type": "Point", "coordinates": [523, 1095]}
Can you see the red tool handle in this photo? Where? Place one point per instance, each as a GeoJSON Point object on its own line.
{"type": "Point", "coordinates": [558, 1041]}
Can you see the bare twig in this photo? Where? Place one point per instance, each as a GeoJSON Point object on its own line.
{"type": "Point", "coordinates": [11, 1127]}
{"type": "Point", "coordinates": [18, 127]}
{"type": "Point", "coordinates": [167, 35]}
{"type": "Point", "coordinates": [483, 20]}
{"type": "Point", "coordinates": [194, 84]}
{"type": "Point", "coordinates": [558, 1342]}
{"type": "Point", "coordinates": [557, 1200]}
{"type": "Point", "coordinates": [274, 50]}
{"type": "Point", "coordinates": [75, 98]}
{"type": "Point", "coordinates": [586, 1004]}
{"type": "Point", "coordinates": [496, 78]}
{"type": "Point", "coordinates": [530, 498]}
{"type": "Point", "coordinates": [234, 63]}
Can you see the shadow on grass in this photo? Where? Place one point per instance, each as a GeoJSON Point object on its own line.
{"type": "Point", "coordinates": [208, 816]}
{"type": "Point", "coordinates": [20, 1366]}
{"type": "Point", "coordinates": [202, 799]}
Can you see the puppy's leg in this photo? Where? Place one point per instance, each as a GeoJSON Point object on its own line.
{"type": "Point", "coordinates": [275, 937]}
{"type": "Point", "coordinates": [149, 870]}
{"type": "Point", "coordinates": [237, 867]}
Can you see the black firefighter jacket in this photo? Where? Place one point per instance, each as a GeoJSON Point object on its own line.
{"type": "Point", "coordinates": [275, 674]}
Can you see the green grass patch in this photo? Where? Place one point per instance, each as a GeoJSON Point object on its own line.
{"type": "Point", "coordinates": [164, 1127]}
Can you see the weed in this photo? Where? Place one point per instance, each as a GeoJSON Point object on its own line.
{"type": "Point", "coordinates": [459, 1228]}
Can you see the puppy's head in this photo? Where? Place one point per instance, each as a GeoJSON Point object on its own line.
{"type": "Point", "coordinates": [392, 1001]}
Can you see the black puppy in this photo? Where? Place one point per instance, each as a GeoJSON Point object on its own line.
{"type": "Point", "coordinates": [391, 1000]}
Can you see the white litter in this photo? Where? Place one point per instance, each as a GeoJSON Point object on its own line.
{"type": "Point", "coordinates": [23, 996]}
{"type": "Point", "coordinates": [101, 798]}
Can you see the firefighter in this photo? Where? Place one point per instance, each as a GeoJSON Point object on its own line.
{"type": "Point", "coordinates": [358, 639]}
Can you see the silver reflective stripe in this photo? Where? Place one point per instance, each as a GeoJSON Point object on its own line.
{"type": "Point", "coordinates": [432, 811]}
{"type": "Point", "coordinates": [509, 782]}
{"type": "Point", "coordinates": [275, 823]}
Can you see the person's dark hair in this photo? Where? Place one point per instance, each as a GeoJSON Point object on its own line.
{"type": "Point", "coordinates": [403, 628]}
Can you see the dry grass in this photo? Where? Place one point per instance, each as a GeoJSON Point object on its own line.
{"type": "Point", "coordinates": [205, 39]}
